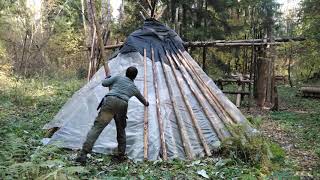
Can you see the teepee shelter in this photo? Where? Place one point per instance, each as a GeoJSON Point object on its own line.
{"type": "Point", "coordinates": [188, 115]}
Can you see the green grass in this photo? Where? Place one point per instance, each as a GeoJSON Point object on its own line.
{"type": "Point", "coordinates": [27, 104]}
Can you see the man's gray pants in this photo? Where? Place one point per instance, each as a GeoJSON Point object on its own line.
{"type": "Point", "coordinates": [113, 107]}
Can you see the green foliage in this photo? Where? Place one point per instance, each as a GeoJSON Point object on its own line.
{"type": "Point", "coordinates": [305, 23]}
{"type": "Point", "coordinates": [255, 121]}
{"type": "Point", "coordinates": [255, 150]}
{"type": "Point", "coordinates": [26, 105]}
{"type": "Point", "coordinates": [308, 59]}
{"type": "Point", "coordinates": [131, 22]}
{"type": "Point", "coordinates": [317, 150]}
{"type": "Point", "coordinates": [41, 40]}
{"type": "Point", "coordinates": [63, 49]}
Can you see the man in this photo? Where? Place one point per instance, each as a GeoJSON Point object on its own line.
{"type": "Point", "coordinates": [115, 105]}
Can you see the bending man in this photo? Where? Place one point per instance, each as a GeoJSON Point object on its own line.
{"type": "Point", "coordinates": [114, 105]}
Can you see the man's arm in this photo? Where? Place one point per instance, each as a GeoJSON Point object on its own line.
{"type": "Point", "coordinates": [141, 98]}
{"type": "Point", "coordinates": [108, 82]}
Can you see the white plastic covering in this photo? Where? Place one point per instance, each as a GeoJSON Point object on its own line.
{"type": "Point", "coordinates": [76, 117]}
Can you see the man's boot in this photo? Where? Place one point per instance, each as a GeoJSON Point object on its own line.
{"type": "Point", "coordinates": [119, 158]}
{"type": "Point", "coordinates": [82, 158]}
{"type": "Point", "coordinates": [122, 157]}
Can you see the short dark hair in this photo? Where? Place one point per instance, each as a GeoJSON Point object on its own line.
{"type": "Point", "coordinates": [132, 72]}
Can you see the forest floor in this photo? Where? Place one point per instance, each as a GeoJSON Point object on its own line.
{"type": "Point", "coordinates": [295, 127]}
{"type": "Point", "coordinates": [27, 104]}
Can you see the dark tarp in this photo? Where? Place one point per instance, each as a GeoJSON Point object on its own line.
{"type": "Point", "coordinates": [154, 35]}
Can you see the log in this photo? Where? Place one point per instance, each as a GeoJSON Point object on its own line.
{"type": "Point", "coordinates": [236, 92]}
{"type": "Point", "coordinates": [225, 44]}
{"type": "Point", "coordinates": [189, 107]}
{"type": "Point", "coordinates": [145, 92]}
{"type": "Point", "coordinates": [216, 124]}
{"type": "Point", "coordinates": [235, 81]}
{"type": "Point", "coordinates": [246, 42]}
{"type": "Point", "coordinates": [114, 46]}
{"type": "Point", "coordinates": [184, 136]}
{"type": "Point", "coordinates": [310, 91]}
{"type": "Point", "coordinates": [203, 44]}
{"type": "Point", "coordinates": [160, 122]}
{"type": "Point", "coordinates": [222, 43]}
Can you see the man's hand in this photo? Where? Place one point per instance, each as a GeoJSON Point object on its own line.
{"type": "Point", "coordinates": [107, 77]}
{"type": "Point", "coordinates": [147, 103]}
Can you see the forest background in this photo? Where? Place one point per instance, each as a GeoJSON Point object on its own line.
{"type": "Point", "coordinates": [52, 41]}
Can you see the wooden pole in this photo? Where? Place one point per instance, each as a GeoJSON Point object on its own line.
{"type": "Point", "coordinates": [206, 91]}
{"type": "Point", "coordinates": [183, 132]}
{"type": "Point", "coordinates": [289, 66]}
{"type": "Point", "coordinates": [229, 116]}
{"type": "Point", "coordinates": [237, 92]}
{"type": "Point", "coordinates": [238, 100]}
{"type": "Point", "coordinates": [145, 92]}
{"type": "Point", "coordinates": [243, 81]}
{"type": "Point", "coordinates": [155, 82]}
{"type": "Point", "coordinates": [189, 107]}
{"type": "Point", "coordinates": [251, 78]}
{"type": "Point", "coordinates": [218, 127]}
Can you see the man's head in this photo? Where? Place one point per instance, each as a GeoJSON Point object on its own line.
{"type": "Point", "coordinates": [132, 72]}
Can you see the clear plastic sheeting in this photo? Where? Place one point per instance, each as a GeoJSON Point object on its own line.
{"type": "Point", "coordinates": [76, 117]}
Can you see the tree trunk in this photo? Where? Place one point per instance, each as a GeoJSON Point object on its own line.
{"type": "Point", "coordinates": [90, 39]}
{"type": "Point", "coordinates": [266, 80]}
{"type": "Point", "coordinates": [22, 61]}
{"type": "Point", "coordinates": [105, 13]}
{"type": "Point", "coordinates": [183, 21]}
{"type": "Point", "coordinates": [276, 100]}
{"type": "Point", "coordinates": [83, 18]}
{"type": "Point", "coordinates": [204, 55]}
{"type": "Point", "coordinates": [177, 22]}
{"type": "Point", "coordinates": [262, 79]}
{"type": "Point", "coordinates": [99, 37]}
{"type": "Point", "coordinates": [173, 10]}
{"type": "Point", "coordinates": [98, 49]}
